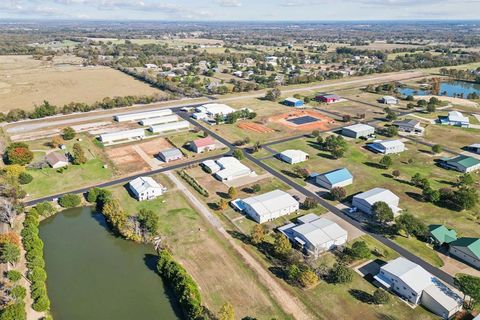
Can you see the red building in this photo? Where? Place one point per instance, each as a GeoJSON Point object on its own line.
{"type": "Point", "coordinates": [328, 98]}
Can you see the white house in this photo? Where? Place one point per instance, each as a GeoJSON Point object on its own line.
{"type": "Point", "coordinates": [387, 146]}
{"type": "Point", "coordinates": [414, 284]}
{"type": "Point", "coordinates": [270, 206]}
{"type": "Point", "coordinates": [210, 110]}
{"type": "Point", "coordinates": [145, 188]}
{"type": "Point", "coordinates": [314, 234]}
{"type": "Point", "coordinates": [293, 156]}
{"type": "Point", "coordinates": [365, 201]}
{"type": "Point", "coordinates": [171, 154]}
{"type": "Point", "coordinates": [358, 131]}
{"type": "Point", "coordinates": [335, 178]}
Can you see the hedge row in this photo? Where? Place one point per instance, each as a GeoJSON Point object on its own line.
{"type": "Point", "coordinates": [34, 254]}
{"type": "Point", "coordinates": [184, 287]}
{"type": "Point", "coordinates": [194, 183]}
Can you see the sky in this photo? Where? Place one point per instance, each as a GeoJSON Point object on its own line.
{"type": "Point", "coordinates": [221, 10]}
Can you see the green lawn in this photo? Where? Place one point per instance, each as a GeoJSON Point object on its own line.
{"type": "Point", "coordinates": [420, 249]}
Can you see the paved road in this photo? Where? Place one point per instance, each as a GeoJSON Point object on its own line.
{"type": "Point", "coordinates": [405, 253]}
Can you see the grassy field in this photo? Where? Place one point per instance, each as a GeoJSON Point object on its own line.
{"type": "Point", "coordinates": [457, 137]}
{"type": "Point", "coordinates": [367, 174]}
{"type": "Point", "coordinates": [221, 275]}
{"type": "Point", "coordinates": [26, 82]}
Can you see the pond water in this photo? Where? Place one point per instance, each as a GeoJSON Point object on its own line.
{"type": "Point", "coordinates": [92, 274]}
{"type": "Point", "coordinates": [451, 89]}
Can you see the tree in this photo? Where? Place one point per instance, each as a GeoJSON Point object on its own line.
{"type": "Point", "coordinates": [282, 245]}
{"type": "Point", "coordinates": [68, 133]}
{"type": "Point", "coordinates": [8, 211]}
{"type": "Point", "coordinates": [301, 172]}
{"type": "Point", "coordinates": [307, 278]}
{"type": "Point", "coordinates": [431, 195]}
{"type": "Point", "coordinates": [341, 274]}
{"type": "Point", "coordinates": [25, 178]}
{"type": "Point", "coordinates": [56, 141]}
{"type": "Point", "coordinates": [380, 296]}
{"type": "Point", "coordinates": [69, 200]}
{"type": "Point", "coordinates": [293, 272]}
{"type": "Point", "coordinates": [392, 131]}
{"type": "Point", "coordinates": [309, 203]}
{"type": "Point", "coordinates": [390, 114]}
{"type": "Point", "coordinates": [232, 192]}
{"type": "Point", "coordinates": [431, 107]}
{"type": "Point", "coordinates": [273, 94]}
{"type": "Point", "coordinates": [359, 250]}
{"type": "Point", "coordinates": [465, 198]}
{"type": "Point", "coordinates": [256, 147]}
{"type": "Point", "coordinates": [396, 173]}
{"type": "Point", "coordinates": [386, 161]}
{"type": "Point", "coordinates": [222, 204]}
{"type": "Point", "coordinates": [315, 133]}
{"type": "Point", "coordinates": [18, 153]}
{"type": "Point", "coordinates": [338, 193]}
{"type": "Point", "coordinates": [9, 253]}
{"type": "Point", "coordinates": [411, 225]}
{"type": "Point", "coordinates": [78, 154]}
{"type": "Point", "coordinates": [258, 234]}
{"type": "Point", "coordinates": [13, 171]}
{"type": "Point", "coordinates": [226, 312]}
{"type": "Point", "coordinates": [465, 180]}
{"type": "Point", "coordinates": [382, 212]}
{"type": "Point", "coordinates": [115, 215]}
{"type": "Point", "coordinates": [256, 188]}
{"type": "Point", "coordinates": [14, 311]}
{"type": "Point", "coordinates": [148, 220]}
{"type": "Point", "coordinates": [237, 153]}
{"type": "Point", "coordinates": [437, 148]}
{"type": "Point", "coordinates": [469, 286]}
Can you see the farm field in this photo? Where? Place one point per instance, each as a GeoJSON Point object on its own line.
{"type": "Point", "coordinates": [25, 82]}
{"type": "Point", "coordinates": [222, 276]}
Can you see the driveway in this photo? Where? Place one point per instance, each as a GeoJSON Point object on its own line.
{"type": "Point", "coordinates": [353, 232]}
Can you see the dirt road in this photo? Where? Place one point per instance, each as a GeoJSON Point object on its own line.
{"type": "Point", "coordinates": [290, 304]}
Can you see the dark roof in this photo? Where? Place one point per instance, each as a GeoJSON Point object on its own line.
{"type": "Point", "coordinates": [409, 122]}
{"type": "Point", "coordinates": [473, 244]}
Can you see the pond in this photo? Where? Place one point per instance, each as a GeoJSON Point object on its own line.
{"type": "Point", "coordinates": [452, 89]}
{"type": "Point", "coordinates": [92, 274]}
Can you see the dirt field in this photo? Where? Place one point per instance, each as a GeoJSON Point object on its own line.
{"type": "Point", "coordinates": [255, 127]}
{"type": "Point", "coordinates": [25, 82]}
{"type": "Point", "coordinates": [324, 122]}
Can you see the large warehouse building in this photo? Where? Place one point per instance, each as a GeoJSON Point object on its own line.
{"type": "Point", "coordinates": [270, 205]}
{"type": "Point", "coordinates": [122, 135]}
{"type": "Point", "coordinates": [169, 126]}
{"type": "Point", "coordinates": [158, 120]}
{"type": "Point", "coordinates": [142, 115]}
{"type": "Point", "coordinates": [358, 131]}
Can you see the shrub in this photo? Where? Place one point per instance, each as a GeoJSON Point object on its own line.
{"type": "Point", "coordinates": [437, 148]}
{"type": "Point", "coordinates": [380, 296]}
{"type": "Point", "coordinates": [341, 274]}
{"type": "Point", "coordinates": [68, 133]}
{"type": "Point", "coordinates": [25, 178]}
{"type": "Point", "coordinates": [45, 208]}
{"type": "Point", "coordinates": [13, 275]}
{"type": "Point", "coordinates": [338, 193]}
{"type": "Point", "coordinates": [194, 183]}
{"type": "Point", "coordinates": [41, 304]}
{"type": "Point", "coordinates": [307, 278]}
{"type": "Point", "coordinates": [18, 292]}
{"type": "Point", "coordinates": [69, 200]}
{"type": "Point", "coordinates": [359, 250]}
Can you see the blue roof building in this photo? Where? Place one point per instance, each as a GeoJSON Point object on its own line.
{"type": "Point", "coordinates": [293, 102]}
{"type": "Point", "coordinates": [335, 178]}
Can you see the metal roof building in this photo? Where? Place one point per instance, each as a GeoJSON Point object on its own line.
{"type": "Point", "coordinates": [467, 249]}
{"type": "Point", "coordinates": [158, 120]}
{"type": "Point", "coordinates": [365, 201]}
{"type": "Point", "coordinates": [358, 130]}
{"type": "Point", "coordinates": [230, 169]}
{"type": "Point", "coordinates": [212, 109]}
{"type": "Point", "coordinates": [335, 178]}
{"type": "Point", "coordinates": [122, 135]}
{"type": "Point", "coordinates": [315, 234]}
{"type": "Point", "coordinates": [293, 102]}
{"type": "Point", "coordinates": [145, 188]}
{"type": "Point", "coordinates": [142, 115]}
{"type": "Point", "coordinates": [461, 163]}
{"type": "Point", "coordinates": [387, 146]}
{"type": "Point", "coordinates": [270, 205]}
{"type": "Point", "coordinates": [170, 154]}
{"type": "Point", "coordinates": [293, 156]}
{"type": "Point", "coordinates": [160, 128]}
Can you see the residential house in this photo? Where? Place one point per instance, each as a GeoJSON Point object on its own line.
{"type": "Point", "coordinates": [388, 100]}
{"type": "Point", "coordinates": [410, 126]}
{"type": "Point", "coordinates": [314, 234]}
{"type": "Point", "coordinates": [365, 201]}
{"type": "Point", "coordinates": [293, 156]}
{"type": "Point", "coordinates": [358, 131]}
{"type": "Point", "coordinates": [328, 98]}
{"type": "Point", "coordinates": [466, 249]}
{"type": "Point", "coordinates": [293, 102]}
{"type": "Point", "coordinates": [56, 160]}
{"type": "Point", "coordinates": [335, 178]}
{"type": "Point", "coordinates": [440, 235]}
{"type": "Point", "coordinates": [414, 284]}
{"type": "Point", "coordinates": [461, 163]}
{"type": "Point", "coordinates": [203, 144]}
{"type": "Point", "coordinates": [455, 118]}
{"type": "Point", "coordinates": [387, 146]}
{"type": "Point", "coordinates": [270, 206]}
{"type": "Point", "coordinates": [145, 188]}
{"type": "Point", "coordinates": [170, 155]}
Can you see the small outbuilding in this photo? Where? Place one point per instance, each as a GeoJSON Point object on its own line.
{"type": "Point", "coordinates": [388, 100]}
{"type": "Point", "coordinates": [365, 200]}
{"type": "Point", "coordinates": [293, 156]}
{"type": "Point", "coordinates": [203, 144]}
{"type": "Point", "coordinates": [145, 188]}
{"type": "Point", "coordinates": [170, 155]}
{"type": "Point", "coordinates": [293, 102]}
{"type": "Point", "coordinates": [358, 131]}
{"type": "Point", "coordinates": [56, 160]}
{"type": "Point", "coordinates": [387, 146]}
{"type": "Point", "coordinates": [335, 178]}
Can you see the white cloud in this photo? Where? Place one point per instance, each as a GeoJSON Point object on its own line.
{"type": "Point", "coordinates": [228, 3]}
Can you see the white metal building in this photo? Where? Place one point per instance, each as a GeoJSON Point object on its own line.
{"type": "Point", "coordinates": [365, 201]}
{"type": "Point", "coordinates": [122, 135]}
{"type": "Point", "coordinates": [335, 178]}
{"type": "Point", "coordinates": [387, 146]}
{"type": "Point", "coordinates": [293, 156]}
{"type": "Point", "coordinates": [172, 126]}
{"type": "Point", "coordinates": [415, 284]}
{"type": "Point", "coordinates": [389, 100]}
{"type": "Point", "coordinates": [270, 205]}
{"type": "Point", "coordinates": [358, 131]}
{"type": "Point", "coordinates": [142, 115]}
{"type": "Point", "coordinates": [315, 234]}
{"type": "Point", "coordinates": [212, 109]}
{"type": "Point", "coordinates": [229, 168]}
{"type": "Point", "coordinates": [170, 154]}
{"type": "Point", "coordinates": [158, 120]}
{"type": "Point", "coordinates": [145, 188]}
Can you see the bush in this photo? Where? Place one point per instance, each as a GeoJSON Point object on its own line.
{"type": "Point", "coordinates": [14, 275]}
{"type": "Point", "coordinates": [45, 208]}
{"type": "Point", "coordinates": [25, 178]}
{"type": "Point", "coordinates": [380, 296]}
{"type": "Point", "coordinates": [359, 250]}
{"type": "Point", "coordinates": [338, 193]}
{"type": "Point", "coordinates": [341, 274]}
{"type": "Point", "coordinates": [18, 293]}
{"type": "Point", "coordinates": [68, 133]}
{"type": "Point", "coordinates": [69, 200]}
{"type": "Point", "coordinates": [41, 304]}
{"type": "Point", "coordinates": [14, 311]}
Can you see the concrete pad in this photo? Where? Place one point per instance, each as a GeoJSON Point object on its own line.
{"type": "Point", "coordinates": [353, 232]}
{"type": "Point", "coordinates": [240, 182]}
